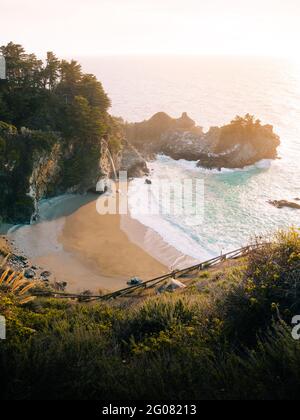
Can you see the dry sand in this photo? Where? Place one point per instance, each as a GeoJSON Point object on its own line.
{"type": "Point", "coordinates": [98, 242]}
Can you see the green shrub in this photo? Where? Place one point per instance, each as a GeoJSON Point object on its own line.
{"type": "Point", "coordinates": [159, 315]}
{"type": "Point", "coordinates": [270, 288]}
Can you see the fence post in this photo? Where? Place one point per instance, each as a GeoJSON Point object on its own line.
{"type": "Point", "coordinates": [2, 328]}
{"type": "Point", "coordinates": [2, 68]}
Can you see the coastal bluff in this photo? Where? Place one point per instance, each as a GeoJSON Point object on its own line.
{"type": "Point", "coordinates": [242, 142]}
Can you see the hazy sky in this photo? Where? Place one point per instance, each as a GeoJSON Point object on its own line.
{"type": "Point", "coordinates": [90, 27]}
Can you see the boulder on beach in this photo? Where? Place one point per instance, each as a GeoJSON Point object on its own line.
{"type": "Point", "coordinates": [171, 286]}
{"type": "Point", "coordinates": [29, 274]}
{"type": "Point", "coordinates": [45, 274]}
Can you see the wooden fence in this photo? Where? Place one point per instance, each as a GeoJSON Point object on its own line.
{"type": "Point", "coordinates": [238, 253]}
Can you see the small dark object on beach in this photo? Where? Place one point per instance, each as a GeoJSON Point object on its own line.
{"type": "Point", "coordinates": [135, 281]}
{"type": "Point", "coordinates": [148, 182]}
{"type": "Point", "coordinates": [29, 274]}
{"type": "Point", "coordinates": [60, 286]}
{"type": "Point", "coordinates": [45, 274]}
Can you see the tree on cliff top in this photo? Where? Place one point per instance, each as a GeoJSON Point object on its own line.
{"type": "Point", "coordinates": [246, 121]}
{"type": "Point", "coordinates": [243, 130]}
{"type": "Point", "coordinates": [38, 95]}
{"type": "Point", "coordinates": [51, 71]}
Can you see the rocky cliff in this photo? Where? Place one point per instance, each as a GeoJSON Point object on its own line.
{"type": "Point", "coordinates": [36, 165]}
{"type": "Point", "coordinates": [163, 134]}
{"type": "Point", "coordinates": [243, 142]}
{"type": "Point", "coordinates": [127, 159]}
{"type": "Point", "coordinates": [132, 161]}
{"type": "Point", "coordinates": [45, 171]}
{"type": "Point", "coordinates": [47, 177]}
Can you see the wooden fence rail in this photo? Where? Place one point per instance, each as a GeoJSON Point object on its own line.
{"type": "Point", "coordinates": [238, 253]}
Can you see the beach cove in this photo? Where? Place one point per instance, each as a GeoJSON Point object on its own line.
{"type": "Point", "coordinates": [90, 251]}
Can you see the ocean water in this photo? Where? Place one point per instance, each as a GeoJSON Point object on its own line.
{"type": "Point", "coordinates": [213, 90]}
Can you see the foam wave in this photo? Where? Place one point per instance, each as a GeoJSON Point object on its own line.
{"type": "Point", "coordinates": [174, 236]}
{"type": "Point", "coordinates": [166, 226]}
{"type": "Point", "coordinates": [192, 166]}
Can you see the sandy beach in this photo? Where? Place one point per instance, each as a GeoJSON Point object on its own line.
{"type": "Point", "coordinates": [98, 242]}
{"type": "Point", "coordinates": [91, 251]}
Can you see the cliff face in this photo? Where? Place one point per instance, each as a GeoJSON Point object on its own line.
{"type": "Point", "coordinates": [47, 178]}
{"type": "Point", "coordinates": [132, 162]}
{"type": "Point", "coordinates": [45, 171]}
{"type": "Point", "coordinates": [127, 159]}
{"type": "Point", "coordinates": [36, 165]}
{"type": "Point", "coordinates": [29, 162]}
{"type": "Point", "coordinates": [242, 142]}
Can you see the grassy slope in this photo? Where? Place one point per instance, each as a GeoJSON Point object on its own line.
{"type": "Point", "coordinates": [227, 336]}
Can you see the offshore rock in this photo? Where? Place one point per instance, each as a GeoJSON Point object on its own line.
{"type": "Point", "coordinates": [245, 141]}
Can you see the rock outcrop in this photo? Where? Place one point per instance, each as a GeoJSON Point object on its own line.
{"type": "Point", "coordinates": [280, 204]}
{"type": "Point", "coordinates": [243, 142]}
{"type": "Point", "coordinates": [132, 162]}
{"type": "Point", "coordinates": [127, 159]}
{"type": "Point", "coordinates": [163, 134]}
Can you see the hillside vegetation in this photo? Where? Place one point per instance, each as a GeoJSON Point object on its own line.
{"type": "Point", "coordinates": [226, 336]}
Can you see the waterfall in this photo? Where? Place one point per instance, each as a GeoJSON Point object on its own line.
{"type": "Point", "coordinates": [108, 153]}
{"type": "Point", "coordinates": [32, 193]}
{"type": "Point", "coordinates": [112, 163]}
{"type": "Point", "coordinates": [103, 184]}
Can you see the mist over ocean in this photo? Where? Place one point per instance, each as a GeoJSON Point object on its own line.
{"type": "Point", "coordinates": [213, 90]}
